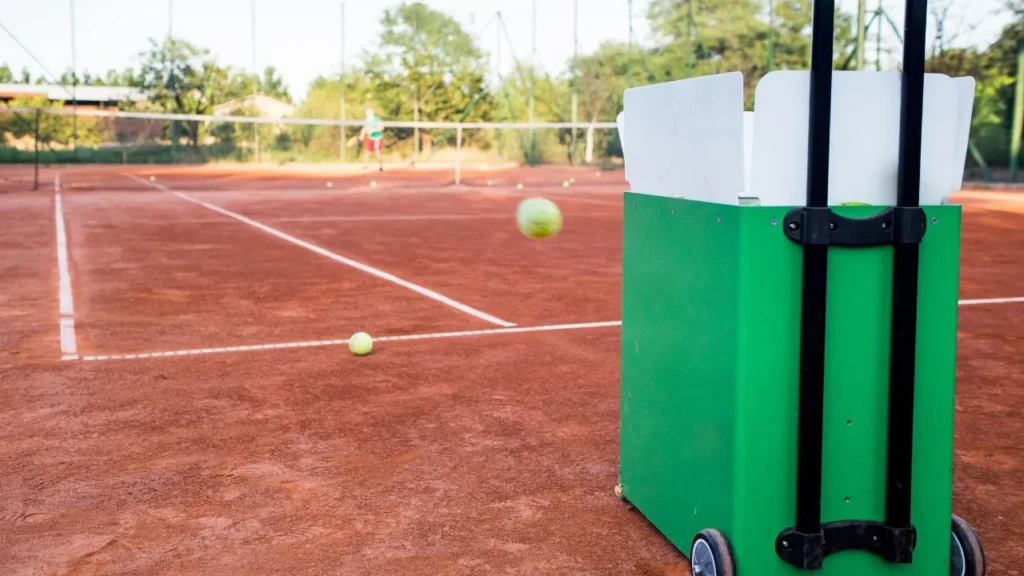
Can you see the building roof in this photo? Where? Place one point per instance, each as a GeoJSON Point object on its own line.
{"type": "Point", "coordinates": [81, 93]}
{"type": "Point", "coordinates": [268, 106]}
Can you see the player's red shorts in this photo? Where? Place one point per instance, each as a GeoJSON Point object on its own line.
{"type": "Point", "coordinates": [373, 144]}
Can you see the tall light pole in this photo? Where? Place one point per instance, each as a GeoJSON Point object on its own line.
{"type": "Point", "coordinates": [501, 83]}
{"type": "Point", "coordinates": [172, 129]}
{"type": "Point", "coordinates": [74, 81]}
{"type": "Point", "coordinates": [575, 75]}
{"type": "Point", "coordinates": [533, 74]}
{"type": "Point", "coordinates": [861, 33]}
{"type": "Point", "coordinates": [343, 116]}
{"type": "Point", "coordinates": [255, 88]}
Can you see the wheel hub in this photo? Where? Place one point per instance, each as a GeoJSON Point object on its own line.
{"type": "Point", "coordinates": [702, 561]}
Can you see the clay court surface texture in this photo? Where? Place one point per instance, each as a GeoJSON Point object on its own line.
{"type": "Point", "coordinates": [178, 397]}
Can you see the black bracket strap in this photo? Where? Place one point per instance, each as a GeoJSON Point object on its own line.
{"type": "Point", "coordinates": [807, 551]}
{"type": "Point", "coordinates": [822, 226]}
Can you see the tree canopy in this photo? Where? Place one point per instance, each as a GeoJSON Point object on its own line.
{"type": "Point", "coordinates": [425, 65]}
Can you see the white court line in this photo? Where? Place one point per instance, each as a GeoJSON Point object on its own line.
{"type": "Point", "coordinates": [337, 258]}
{"type": "Point", "coordinates": [318, 343]}
{"type": "Point", "coordinates": [990, 301]}
{"type": "Point", "coordinates": [462, 334]}
{"type": "Point", "coordinates": [398, 217]}
{"type": "Point", "coordinates": [392, 218]}
{"type": "Point", "coordinates": [559, 197]}
{"type": "Point", "coordinates": [414, 217]}
{"type": "Point", "coordinates": [68, 344]}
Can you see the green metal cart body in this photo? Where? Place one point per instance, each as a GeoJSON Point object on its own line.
{"type": "Point", "coordinates": [711, 301]}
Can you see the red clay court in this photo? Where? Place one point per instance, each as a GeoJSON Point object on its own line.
{"type": "Point", "coordinates": [179, 398]}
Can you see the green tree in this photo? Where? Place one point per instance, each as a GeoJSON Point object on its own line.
{"type": "Point", "coordinates": [272, 84]}
{"type": "Point", "coordinates": [323, 100]}
{"type": "Point", "coordinates": [53, 128]}
{"type": "Point", "coordinates": [703, 37]}
{"type": "Point", "coordinates": [711, 36]}
{"type": "Point", "coordinates": [6, 74]}
{"type": "Point", "coordinates": [243, 84]}
{"type": "Point", "coordinates": [995, 71]}
{"type": "Point", "coordinates": [426, 66]}
{"type": "Point", "coordinates": [791, 32]}
{"type": "Point", "coordinates": [510, 103]}
{"type": "Point", "coordinates": [183, 78]}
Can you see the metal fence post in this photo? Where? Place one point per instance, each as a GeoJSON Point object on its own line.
{"type": "Point", "coordinates": [35, 181]}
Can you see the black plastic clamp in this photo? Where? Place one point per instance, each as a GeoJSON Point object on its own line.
{"type": "Point", "coordinates": [807, 551]}
{"type": "Point", "coordinates": [822, 226]}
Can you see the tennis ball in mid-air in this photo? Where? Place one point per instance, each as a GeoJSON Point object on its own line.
{"type": "Point", "coordinates": [152, 178]}
{"type": "Point", "coordinates": [330, 184]}
{"type": "Point", "coordinates": [565, 183]}
{"type": "Point", "coordinates": [490, 182]}
{"type": "Point", "coordinates": [539, 218]}
{"type": "Point", "coordinates": [360, 344]}
{"type": "Point", "coordinates": [519, 186]}
{"type": "Point", "coordinates": [373, 184]}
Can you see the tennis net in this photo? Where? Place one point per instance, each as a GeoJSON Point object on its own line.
{"type": "Point", "coordinates": [457, 153]}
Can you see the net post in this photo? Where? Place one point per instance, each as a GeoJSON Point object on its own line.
{"type": "Point", "coordinates": [35, 180]}
{"type": "Point", "coordinates": [458, 155]}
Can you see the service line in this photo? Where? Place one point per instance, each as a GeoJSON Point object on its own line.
{"type": "Point", "coordinates": [980, 301]}
{"type": "Point", "coordinates": [460, 334]}
{"type": "Point", "coordinates": [68, 343]}
{"type": "Point", "coordinates": [342, 342]}
{"type": "Point", "coordinates": [336, 257]}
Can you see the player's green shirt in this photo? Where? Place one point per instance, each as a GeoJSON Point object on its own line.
{"type": "Point", "coordinates": [375, 128]}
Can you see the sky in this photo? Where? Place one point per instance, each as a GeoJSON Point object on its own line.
{"type": "Point", "coordinates": [303, 38]}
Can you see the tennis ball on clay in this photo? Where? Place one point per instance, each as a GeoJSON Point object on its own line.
{"type": "Point", "coordinates": [538, 218]}
{"type": "Point", "coordinates": [855, 204]}
{"type": "Point", "coordinates": [519, 186]}
{"type": "Point", "coordinates": [598, 174]}
{"type": "Point", "coordinates": [330, 184]}
{"type": "Point", "coordinates": [373, 184]}
{"type": "Point", "coordinates": [572, 180]}
{"type": "Point", "coordinates": [152, 178]}
{"type": "Point", "coordinates": [565, 183]}
{"type": "Point", "coordinates": [360, 344]}
{"type": "Point", "coordinates": [490, 182]}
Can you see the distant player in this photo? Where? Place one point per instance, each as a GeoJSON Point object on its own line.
{"type": "Point", "coordinates": [372, 136]}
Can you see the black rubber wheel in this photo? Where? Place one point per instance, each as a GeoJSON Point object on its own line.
{"type": "Point", "coordinates": [711, 555]}
{"type": "Point", "coordinates": [966, 557]}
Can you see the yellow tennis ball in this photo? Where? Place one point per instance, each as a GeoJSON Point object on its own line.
{"type": "Point", "coordinates": [490, 182]}
{"type": "Point", "coordinates": [373, 184]}
{"type": "Point", "coordinates": [539, 218]}
{"type": "Point", "coordinates": [565, 183]}
{"type": "Point", "coordinates": [360, 344]}
{"type": "Point", "coordinates": [152, 178]}
{"type": "Point", "coordinates": [519, 186]}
